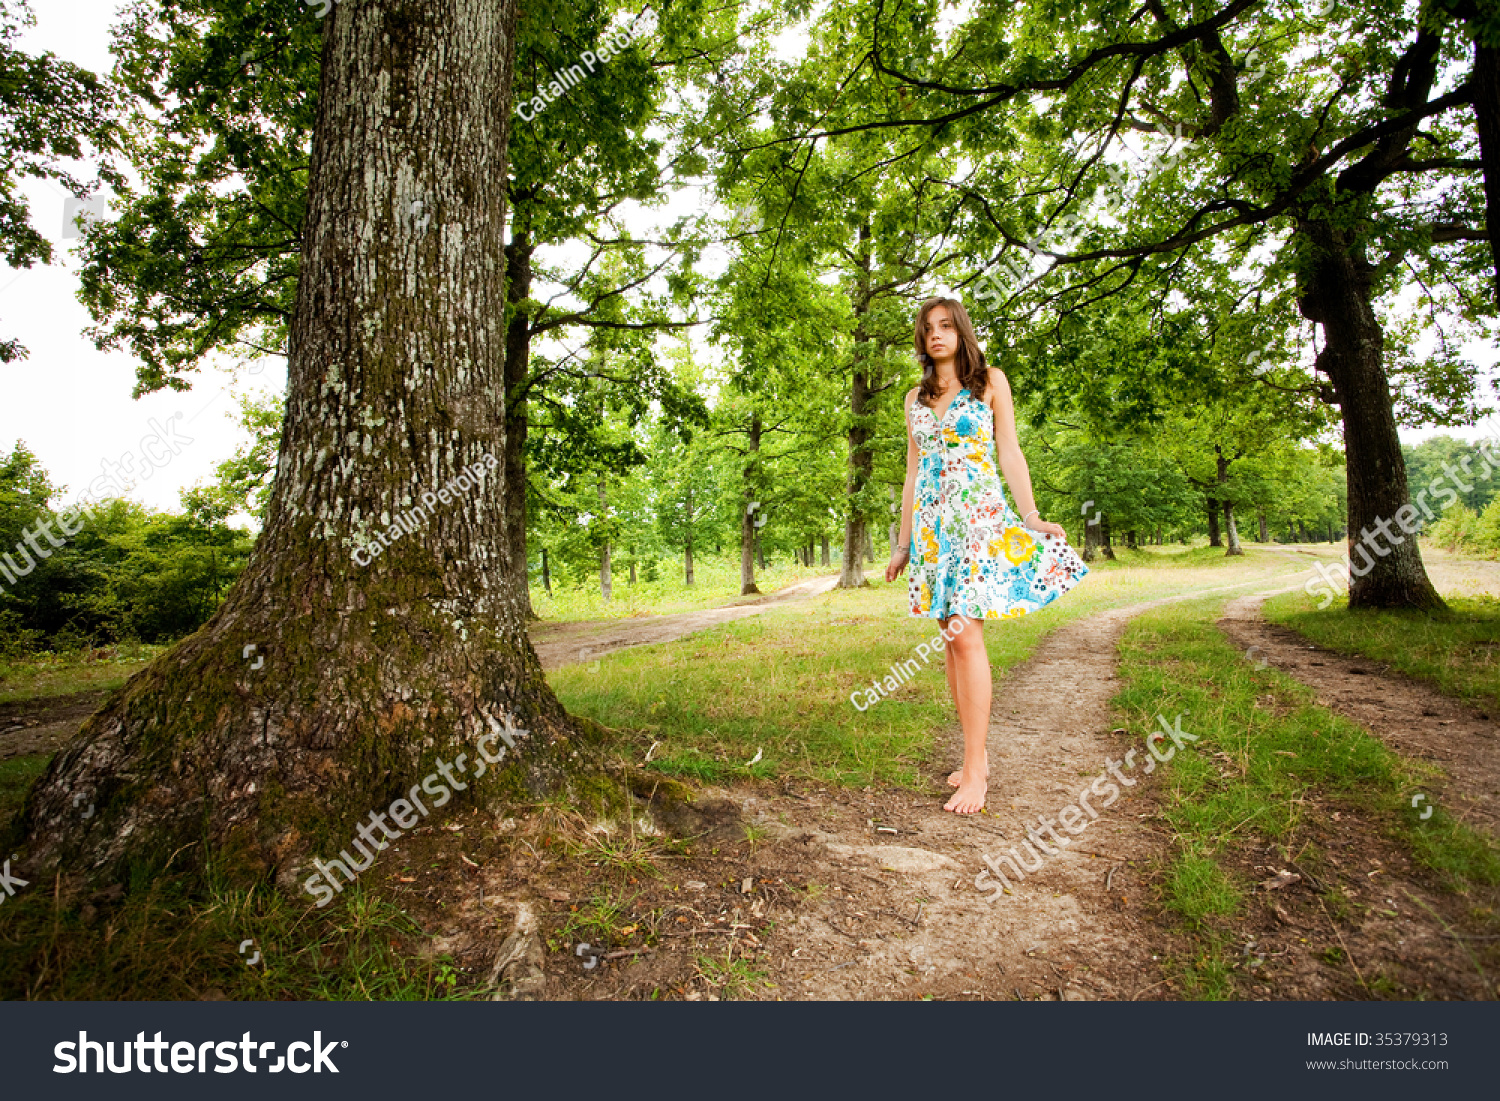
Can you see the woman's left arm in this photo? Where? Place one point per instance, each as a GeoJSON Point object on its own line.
{"type": "Point", "coordinates": [1008, 453]}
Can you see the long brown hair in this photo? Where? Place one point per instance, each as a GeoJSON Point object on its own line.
{"type": "Point", "coordinates": [968, 362]}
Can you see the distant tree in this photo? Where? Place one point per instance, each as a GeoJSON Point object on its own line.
{"type": "Point", "coordinates": [50, 110]}
{"type": "Point", "coordinates": [1450, 462]}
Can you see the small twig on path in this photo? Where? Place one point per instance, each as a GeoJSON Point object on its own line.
{"type": "Point", "coordinates": [1347, 954]}
{"type": "Point", "coordinates": [1312, 881]}
{"type": "Point", "coordinates": [987, 829]}
{"type": "Point", "coordinates": [1143, 989]}
{"type": "Point", "coordinates": [839, 931]}
{"type": "Point", "coordinates": [623, 952]}
{"type": "Point", "coordinates": [696, 932]}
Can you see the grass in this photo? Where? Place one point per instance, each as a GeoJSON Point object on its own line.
{"type": "Point", "coordinates": [16, 777]}
{"type": "Point", "coordinates": [733, 977]}
{"type": "Point", "coordinates": [778, 685]}
{"type": "Point", "coordinates": [1458, 651]}
{"type": "Point", "coordinates": [629, 853]}
{"type": "Point", "coordinates": [603, 919]}
{"type": "Point", "coordinates": [716, 581]}
{"type": "Point", "coordinates": [158, 941]}
{"type": "Point", "coordinates": [1266, 753]}
{"type": "Point", "coordinates": [66, 672]}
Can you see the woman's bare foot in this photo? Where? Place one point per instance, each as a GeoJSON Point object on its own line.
{"type": "Point", "coordinates": [956, 776]}
{"type": "Point", "coordinates": [969, 798]}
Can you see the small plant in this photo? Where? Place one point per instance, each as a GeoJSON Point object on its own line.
{"type": "Point", "coordinates": [603, 919]}
{"type": "Point", "coordinates": [631, 854]}
{"type": "Point", "coordinates": [732, 978]}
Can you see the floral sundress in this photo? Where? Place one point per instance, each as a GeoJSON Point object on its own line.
{"type": "Point", "coordinates": [970, 553]}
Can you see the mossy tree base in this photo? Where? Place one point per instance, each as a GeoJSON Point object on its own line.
{"type": "Point", "coordinates": [375, 634]}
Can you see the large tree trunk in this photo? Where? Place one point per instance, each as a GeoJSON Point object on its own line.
{"type": "Point", "coordinates": [687, 550]}
{"type": "Point", "coordinates": [826, 561]}
{"type": "Point", "coordinates": [893, 529]}
{"type": "Point", "coordinates": [1213, 522]}
{"type": "Point", "coordinates": [517, 360]}
{"type": "Point", "coordinates": [1487, 112]}
{"type": "Point", "coordinates": [861, 459]}
{"type": "Point", "coordinates": [1337, 296]}
{"type": "Point", "coordinates": [1231, 530]}
{"type": "Point", "coordinates": [747, 515]}
{"type": "Point", "coordinates": [1090, 541]}
{"type": "Point", "coordinates": [324, 688]}
{"type": "Point", "coordinates": [606, 582]}
{"type": "Point", "coordinates": [1265, 531]}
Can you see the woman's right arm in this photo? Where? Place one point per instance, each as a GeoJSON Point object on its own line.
{"type": "Point", "coordinates": [901, 552]}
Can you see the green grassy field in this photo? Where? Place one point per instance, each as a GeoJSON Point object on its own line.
{"type": "Point", "coordinates": [766, 697]}
{"type": "Point", "coordinates": [775, 689]}
{"type": "Point", "coordinates": [1266, 754]}
{"type": "Point", "coordinates": [1457, 650]}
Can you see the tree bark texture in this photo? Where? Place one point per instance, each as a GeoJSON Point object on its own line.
{"type": "Point", "coordinates": [517, 364]}
{"type": "Point", "coordinates": [861, 459]}
{"type": "Point", "coordinates": [341, 666]}
{"type": "Point", "coordinates": [606, 583]}
{"type": "Point", "coordinates": [1231, 530]}
{"type": "Point", "coordinates": [1337, 295]}
{"type": "Point", "coordinates": [747, 516]}
{"type": "Point", "coordinates": [1487, 112]}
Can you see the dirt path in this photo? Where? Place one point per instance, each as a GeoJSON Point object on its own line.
{"type": "Point", "coordinates": [1073, 929]}
{"type": "Point", "coordinates": [841, 894]}
{"type": "Point", "coordinates": [44, 725]}
{"type": "Point", "coordinates": [1409, 715]}
{"type": "Point", "coordinates": [559, 644]}
{"type": "Point", "coordinates": [798, 892]}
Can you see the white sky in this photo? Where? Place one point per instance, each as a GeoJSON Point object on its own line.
{"type": "Point", "coordinates": [71, 403]}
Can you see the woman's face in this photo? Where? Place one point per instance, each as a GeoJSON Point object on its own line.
{"type": "Point", "coordinates": [940, 337]}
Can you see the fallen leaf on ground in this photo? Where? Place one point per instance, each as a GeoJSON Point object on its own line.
{"type": "Point", "coordinates": [1281, 879]}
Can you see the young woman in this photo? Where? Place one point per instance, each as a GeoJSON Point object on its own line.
{"type": "Point", "coordinates": [972, 557]}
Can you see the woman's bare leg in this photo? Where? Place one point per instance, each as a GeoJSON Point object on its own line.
{"type": "Point", "coordinates": [969, 680]}
{"type": "Point", "coordinates": [950, 671]}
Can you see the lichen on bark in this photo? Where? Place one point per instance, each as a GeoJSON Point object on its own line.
{"type": "Point", "coordinates": [322, 688]}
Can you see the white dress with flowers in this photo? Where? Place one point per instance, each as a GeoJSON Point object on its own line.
{"type": "Point", "coordinates": [970, 553]}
